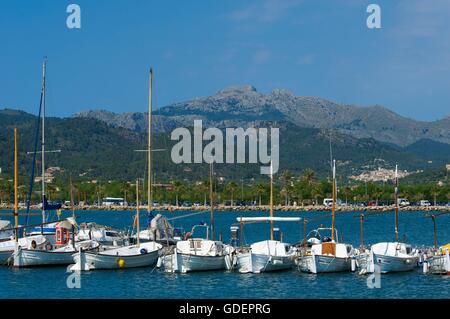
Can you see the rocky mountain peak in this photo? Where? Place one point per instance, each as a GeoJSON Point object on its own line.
{"type": "Point", "coordinates": [237, 89]}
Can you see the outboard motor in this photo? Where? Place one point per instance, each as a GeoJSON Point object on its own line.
{"type": "Point", "coordinates": [234, 236]}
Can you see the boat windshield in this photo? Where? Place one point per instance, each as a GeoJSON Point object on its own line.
{"type": "Point", "coordinates": [320, 234]}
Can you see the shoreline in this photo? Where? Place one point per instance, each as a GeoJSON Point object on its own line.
{"type": "Point", "coordinates": [223, 208]}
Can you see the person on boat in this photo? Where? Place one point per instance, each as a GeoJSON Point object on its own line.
{"type": "Point", "coordinates": [33, 244]}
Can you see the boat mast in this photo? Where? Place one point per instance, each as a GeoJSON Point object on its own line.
{"type": "Point", "coordinates": [71, 197]}
{"type": "Point", "coordinates": [211, 198]}
{"type": "Point", "coordinates": [137, 212]}
{"type": "Point", "coordinates": [396, 202]}
{"type": "Point", "coordinates": [333, 206]}
{"type": "Point", "coordinates": [149, 146]}
{"type": "Point", "coordinates": [16, 188]}
{"type": "Point", "coordinates": [361, 230]}
{"type": "Point", "coordinates": [44, 66]}
{"type": "Point", "coordinates": [271, 201]}
{"type": "Point", "coordinates": [433, 218]}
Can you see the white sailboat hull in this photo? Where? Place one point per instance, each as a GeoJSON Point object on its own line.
{"type": "Point", "coordinates": [388, 264]}
{"type": "Point", "coordinates": [100, 261]}
{"type": "Point", "coordinates": [145, 255]}
{"type": "Point", "coordinates": [32, 258]}
{"type": "Point", "coordinates": [7, 247]}
{"type": "Point", "coordinates": [183, 263]}
{"type": "Point", "coordinates": [257, 263]}
{"type": "Point", "coordinates": [324, 264]}
{"type": "Point", "coordinates": [55, 257]}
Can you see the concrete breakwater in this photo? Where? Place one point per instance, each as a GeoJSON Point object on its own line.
{"type": "Point", "coordinates": [223, 208]}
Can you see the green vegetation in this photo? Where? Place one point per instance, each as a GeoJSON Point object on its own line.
{"type": "Point", "coordinates": [102, 162]}
{"type": "Point", "coordinates": [303, 189]}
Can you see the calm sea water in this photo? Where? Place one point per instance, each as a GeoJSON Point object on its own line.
{"type": "Point", "coordinates": [152, 283]}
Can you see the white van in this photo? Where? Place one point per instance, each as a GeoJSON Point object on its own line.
{"type": "Point", "coordinates": [328, 202]}
{"type": "Point", "coordinates": [424, 202]}
{"type": "Point", "coordinates": [403, 202]}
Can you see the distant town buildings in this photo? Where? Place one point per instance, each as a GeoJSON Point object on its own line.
{"type": "Point", "coordinates": [381, 174]}
{"type": "Point", "coordinates": [49, 174]}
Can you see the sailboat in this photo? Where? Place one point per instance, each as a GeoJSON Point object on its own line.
{"type": "Point", "coordinates": [46, 229]}
{"type": "Point", "coordinates": [199, 254]}
{"type": "Point", "coordinates": [326, 254]}
{"type": "Point", "coordinates": [8, 246]}
{"type": "Point", "coordinates": [132, 256]}
{"type": "Point", "coordinates": [394, 256]}
{"type": "Point", "coordinates": [159, 229]}
{"type": "Point", "coordinates": [267, 255]}
{"type": "Point", "coordinates": [54, 255]}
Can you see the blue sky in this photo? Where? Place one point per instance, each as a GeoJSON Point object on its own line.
{"type": "Point", "coordinates": [312, 48]}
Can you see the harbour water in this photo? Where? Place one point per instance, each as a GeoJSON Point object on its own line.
{"type": "Point", "coordinates": [415, 228]}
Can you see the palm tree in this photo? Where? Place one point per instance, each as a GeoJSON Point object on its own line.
{"type": "Point", "coordinates": [377, 193]}
{"type": "Point", "coordinates": [286, 178]}
{"type": "Point", "coordinates": [317, 191]}
{"type": "Point", "coordinates": [260, 189]}
{"type": "Point", "coordinates": [309, 176]}
{"type": "Point", "coordinates": [232, 187]}
{"type": "Point", "coordinates": [347, 191]}
{"type": "Point", "coordinates": [435, 193]}
{"type": "Point", "coordinates": [178, 188]}
{"type": "Point", "coordinates": [203, 188]}
{"type": "Point", "coordinates": [125, 188]}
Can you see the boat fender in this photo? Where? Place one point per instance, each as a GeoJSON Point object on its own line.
{"type": "Point", "coordinates": [48, 246]}
{"type": "Point", "coordinates": [143, 251]}
{"type": "Point", "coordinates": [120, 262]}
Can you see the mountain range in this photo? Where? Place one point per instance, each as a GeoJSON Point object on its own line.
{"type": "Point", "coordinates": [244, 106]}
{"type": "Point", "coordinates": [98, 144]}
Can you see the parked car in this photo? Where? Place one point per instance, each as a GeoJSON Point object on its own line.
{"type": "Point", "coordinates": [372, 203]}
{"type": "Point", "coordinates": [424, 202]}
{"type": "Point", "coordinates": [187, 204]}
{"type": "Point", "coordinates": [328, 202]}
